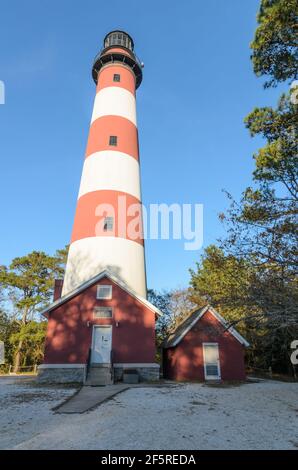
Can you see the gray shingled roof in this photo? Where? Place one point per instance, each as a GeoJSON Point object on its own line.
{"type": "Point", "coordinates": [177, 335]}
{"type": "Point", "coordinates": [172, 338]}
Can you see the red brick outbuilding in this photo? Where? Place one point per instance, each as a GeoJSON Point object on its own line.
{"type": "Point", "coordinates": [204, 347]}
{"type": "Point", "coordinates": [101, 323]}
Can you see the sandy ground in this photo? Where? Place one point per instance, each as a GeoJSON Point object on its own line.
{"type": "Point", "coordinates": [190, 416]}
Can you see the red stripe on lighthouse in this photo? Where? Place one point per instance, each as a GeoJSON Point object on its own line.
{"type": "Point", "coordinates": [93, 207]}
{"type": "Point", "coordinates": [106, 78]}
{"type": "Point", "coordinates": [106, 126]}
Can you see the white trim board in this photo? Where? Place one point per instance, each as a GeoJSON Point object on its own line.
{"type": "Point", "coordinates": [82, 366]}
{"type": "Point", "coordinates": [135, 365]}
{"type": "Point", "coordinates": [61, 366]}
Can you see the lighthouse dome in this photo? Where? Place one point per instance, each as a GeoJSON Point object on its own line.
{"type": "Point", "coordinates": [118, 38]}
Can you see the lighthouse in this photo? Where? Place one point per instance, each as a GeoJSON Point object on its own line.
{"type": "Point", "coordinates": [101, 327]}
{"type": "Point", "coordinates": [100, 324]}
{"type": "Point", "coordinates": [107, 230]}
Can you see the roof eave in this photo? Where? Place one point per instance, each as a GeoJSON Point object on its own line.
{"type": "Point", "coordinates": [89, 283]}
{"type": "Point", "coordinates": [232, 330]}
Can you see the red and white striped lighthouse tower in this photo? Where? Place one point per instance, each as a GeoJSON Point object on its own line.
{"type": "Point", "coordinates": [103, 239]}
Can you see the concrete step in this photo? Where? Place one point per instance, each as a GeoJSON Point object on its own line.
{"type": "Point", "coordinates": [99, 375]}
{"type": "Point", "coordinates": [96, 381]}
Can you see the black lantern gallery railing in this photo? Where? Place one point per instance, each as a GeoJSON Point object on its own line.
{"type": "Point", "coordinates": [121, 40]}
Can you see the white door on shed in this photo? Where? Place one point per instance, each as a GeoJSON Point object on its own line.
{"type": "Point", "coordinates": [211, 361]}
{"type": "Point", "coordinates": [101, 344]}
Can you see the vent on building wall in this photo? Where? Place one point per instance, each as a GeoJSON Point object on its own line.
{"type": "Point", "coordinates": [103, 312]}
{"type": "Point", "coordinates": [104, 292]}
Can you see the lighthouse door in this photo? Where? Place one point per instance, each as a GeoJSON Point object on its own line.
{"type": "Point", "coordinates": [101, 345]}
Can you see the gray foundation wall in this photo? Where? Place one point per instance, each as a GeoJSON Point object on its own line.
{"type": "Point", "coordinates": [146, 374]}
{"type": "Point", "coordinates": [60, 375]}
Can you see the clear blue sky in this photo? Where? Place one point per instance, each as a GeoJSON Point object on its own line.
{"type": "Point", "coordinates": [198, 86]}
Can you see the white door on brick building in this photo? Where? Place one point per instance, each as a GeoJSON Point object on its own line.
{"type": "Point", "coordinates": [211, 361]}
{"type": "Point", "coordinates": [101, 344]}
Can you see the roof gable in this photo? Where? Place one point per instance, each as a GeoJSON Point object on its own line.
{"type": "Point", "coordinates": [182, 329]}
{"type": "Point", "coordinates": [92, 281]}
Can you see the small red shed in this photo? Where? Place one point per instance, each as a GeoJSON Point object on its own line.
{"type": "Point", "coordinates": [204, 347]}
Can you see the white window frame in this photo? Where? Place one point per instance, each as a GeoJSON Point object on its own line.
{"type": "Point", "coordinates": [96, 313]}
{"type": "Point", "coordinates": [211, 377]}
{"type": "Point", "coordinates": [105, 286]}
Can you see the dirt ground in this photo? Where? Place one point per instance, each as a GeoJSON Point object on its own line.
{"type": "Point", "coordinates": [189, 416]}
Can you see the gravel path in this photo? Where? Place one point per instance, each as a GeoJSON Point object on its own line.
{"type": "Point", "coordinates": [25, 409]}
{"type": "Point", "coordinates": [190, 416]}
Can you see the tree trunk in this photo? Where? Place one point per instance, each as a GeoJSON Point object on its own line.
{"type": "Point", "coordinates": [17, 359]}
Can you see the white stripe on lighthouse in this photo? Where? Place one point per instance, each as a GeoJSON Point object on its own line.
{"type": "Point", "coordinates": [108, 172]}
{"type": "Point", "coordinates": [111, 170]}
{"type": "Point", "coordinates": [89, 256]}
{"type": "Point", "coordinates": [115, 101]}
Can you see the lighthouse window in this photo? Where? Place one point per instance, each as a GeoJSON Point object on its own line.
{"type": "Point", "coordinates": [116, 77]}
{"type": "Point", "coordinates": [108, 224]}
{"type": "Point", "coordinates": [103, 312]}
{"type": "Point", "coordinates": [113, 140]}
{"type": "Point", "coordinates": [104, 292]}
